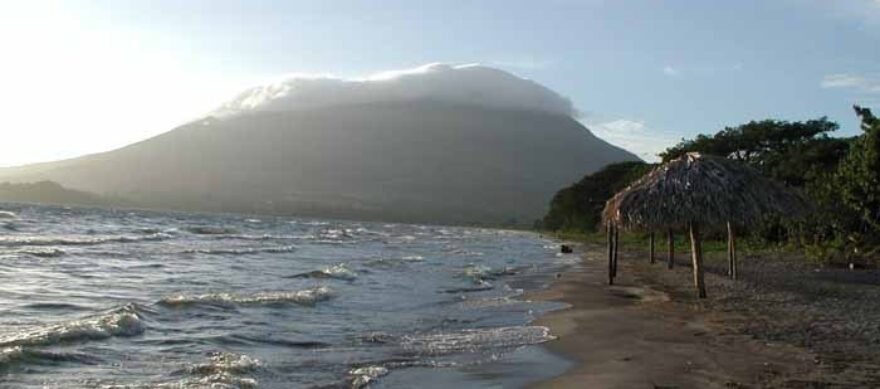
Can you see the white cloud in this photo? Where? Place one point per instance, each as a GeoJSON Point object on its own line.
{"type": "Point", "coordinates": [863, 83]}
{"type": "Point", "coordinates": [670, 71]}
{"type": "Point", "coordinates": [632, 135]}
{"type": "Point", "coordinates": [523, 63]}
{"type": "Point", "coordinates": [464, 84]}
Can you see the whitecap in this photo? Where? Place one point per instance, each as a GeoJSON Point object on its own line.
{"type": "Point", "coordinates": [8, 215]}
{"type": "Point", "coordinates": [17, 241]}
{"type": "Point", "coordinates": [302, 297]}
{"type": "Point", "coordinates": [339, 271]}
{"type": "Point", "coordinates": [363, 376]}
{"type": "Point", "coordinates": [124, 321]}
{"type": "Point", "coordinates": [241, 251]}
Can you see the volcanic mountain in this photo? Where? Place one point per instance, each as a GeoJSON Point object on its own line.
{"type": "Point", "coordinates": [443, 144]}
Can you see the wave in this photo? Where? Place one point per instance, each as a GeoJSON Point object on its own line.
{"type": "Point", "coordinates": [211, 230]}
{"type": "Point", "coordinates": [363, 376]}
{"type": "Point", "coordinates": [43, 253]}
{"type": "Point", "coordinates": [301, 297]}
{"type": "Point", "coordinates": [18, 241]}
{"type": "Point", "coordinates": [389, 262]}
{"type": "Point", "coordinates": [19, 354]}
{"type": "Point", "coordinates": [481, 286]}
{"type": "Point", "coordinates": [223, 370]}
{"type": "Point", "coordinates": [472, 340]}
{"type": "Point", "coordinates": [8, 215]}
{"type": "Point", "coordinates": [339, 271]}
{"type": "Point", "coordinates": [124, 321]}
{"type": "Point", "coordinates": [242, 251]}
{"type": "Point", "coordinates": [226, 363]}
{"type": "Point", "coordinates": [479, 272]}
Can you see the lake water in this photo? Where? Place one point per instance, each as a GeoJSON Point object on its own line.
{"type": "Point", "coordinates": [130, 299]}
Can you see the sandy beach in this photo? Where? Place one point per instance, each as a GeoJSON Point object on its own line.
{"type": "Point", "coordinates": [647, 332]}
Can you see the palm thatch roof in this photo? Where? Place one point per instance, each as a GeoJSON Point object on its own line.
{"type": "Point", "coordinates": [702, 189]}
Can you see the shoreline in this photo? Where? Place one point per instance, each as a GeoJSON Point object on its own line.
{"type": "Point", "coordinates": [637, 334]}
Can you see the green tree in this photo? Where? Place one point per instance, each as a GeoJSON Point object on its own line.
{"type": "Point", "coordinates": [579, 206]}
{"type": "Point", "coordinates": [858, 177]}
{"type": "Point", "coordinates": [791, 152]}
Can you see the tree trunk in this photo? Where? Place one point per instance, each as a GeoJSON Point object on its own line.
{"type": "Point", "coordinates": [616, 247]}
{"type": "Point", "coordinates": [652, 248]}
{"type": "Point", "coordinates": [731, 252]}
{"type": "Point", "coordinates": [610, 238]}
{"type": "Point", "coordinates": [697, 255]}
{"type": "Point", "coordinates": [670, 245]}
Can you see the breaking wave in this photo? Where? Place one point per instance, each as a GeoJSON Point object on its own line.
{"type": "Point", "coordinates": [479, 272]}
{"type": "Point", "coordinates": [19, 354]}
{"type": "Point", "coordinates": [17, 241]}
{"type": "Point", "coordinates": [8, 215]}
{"type": "Point", "coordinates": [225, 370]}
{"type": "Point", "coordinates": [391, 262]}
{"type": "Point", "coordinates": [301, 297]}
{"type": "Point", "coordinates": [124, 321]}
{"type": "Point", "coordinates": [242, 251]}
{"type": "Point", "coordinates": [339, 271]}
{"type": "Point", "coordinates": [363, 376]}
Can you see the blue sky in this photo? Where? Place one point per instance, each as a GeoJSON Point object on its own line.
{"type": "Point", "coordinates": [88, 76]}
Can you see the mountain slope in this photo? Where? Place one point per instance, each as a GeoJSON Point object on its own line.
{"type": "Point", "coordinates": [421, 160]}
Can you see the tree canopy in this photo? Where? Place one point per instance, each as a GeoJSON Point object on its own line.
{"type": "Point", "coordinates": [579, 206]}
{"type": "Point", "coordinates": [791, 152]}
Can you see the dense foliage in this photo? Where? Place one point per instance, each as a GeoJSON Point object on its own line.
{"type": "Point", "coordinates": [840, 175]}
{"type": "Point", "coordinates": [578, 208]}
{"type": "Point", "coordinates": [792, 152]}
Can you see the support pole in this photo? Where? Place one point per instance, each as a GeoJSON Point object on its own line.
{"type": "Point", "coordinates": [616, 247]}
{"type": "Point", "coordinates": [697, 256]}
{"type": "Point", "coordinates": [652, 247]}
{"type": "Point", "coordinates": [610, 236]}
{"type": "Point", "coordinates": [731, 252]}
{"type": "Point", "coordinates": [670, 245]}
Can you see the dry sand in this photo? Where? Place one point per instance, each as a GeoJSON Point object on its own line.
{"type": "Point", "coordinates": [635, 335]}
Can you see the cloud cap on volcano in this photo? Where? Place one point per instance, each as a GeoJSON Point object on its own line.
{"type": "Point", "coordinates": [461, 84]}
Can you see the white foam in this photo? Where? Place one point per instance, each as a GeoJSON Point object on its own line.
{"type": "Point", "coordinates": [124, 321]}
{"type": "Point", "coordinates": [302, 297]}
{"type": "Point", "coordinates": [473, 340]}
{"type": "Point", "coordinates": [363, 376]}
{"type": "Point", "coordinates": [242, 251]}
{"type": "Point", "coordinates": [73, 240]}
{"type": "Point", "coordinates": [340, 271]}
{"type": "Point", "coordinates": [9, 354]}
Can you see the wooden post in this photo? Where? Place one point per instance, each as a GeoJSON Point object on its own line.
{"type": "Point", "coordinates": [616, 246]}
{"type": "Point", "coordinates": [697, 256]}
{"type": "Point", "coordinates": [731, 252]}
{"type": "Point", "coordinates": [670, 245]}
{"type": "Point", "coordinates": [652, 247]}
{"type": "Point", "coordinates": [608, 231]}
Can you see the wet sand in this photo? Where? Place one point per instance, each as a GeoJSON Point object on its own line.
{"type": "Point", "coordinates": [636, 335]}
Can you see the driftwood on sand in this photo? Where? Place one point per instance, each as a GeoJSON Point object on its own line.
{"type": "Point", "coordinates": [697, 192]}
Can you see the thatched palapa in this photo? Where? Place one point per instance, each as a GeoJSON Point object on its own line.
{"type": "Point", "coordinates": [692, 192]}
{"type": "Point", "coordinates": [707, 190]}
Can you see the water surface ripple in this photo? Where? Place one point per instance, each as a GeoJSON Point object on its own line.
{"type": "Point", "coordinates": [124, 299]}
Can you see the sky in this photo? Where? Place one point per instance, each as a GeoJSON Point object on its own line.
{"type": "Point", "coordinates": [79, 77]}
